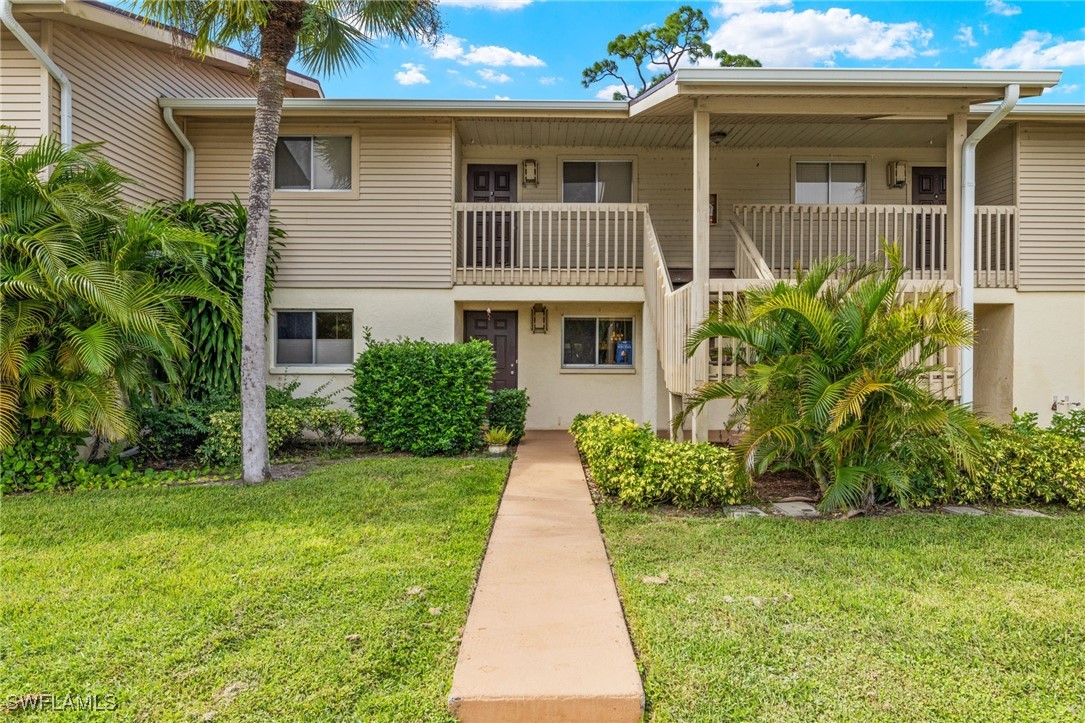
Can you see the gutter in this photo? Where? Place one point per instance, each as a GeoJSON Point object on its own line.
{"type": "Point", "coordinates": [968, 225]}
{"type": "Point", "coordinates": [7, 17]}
{"type": "Point", "coordinates": [190, 153]}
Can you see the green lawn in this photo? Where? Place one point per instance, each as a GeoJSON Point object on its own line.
{"type": "Point", "coordinates": [913, 617]}
{"type": "Point", "coordinates": [289, 601]}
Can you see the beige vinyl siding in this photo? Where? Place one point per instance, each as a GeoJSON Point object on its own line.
{"type": "Point", "coordinates": [995, 169]}
{"type": "Point", "coordinates": [1052, 208]}
{"type": "Point", "coordinates": [22, 81]}
{"type": "Point", "coordinates": [394, 232]}
{"type": "Point", "coordinates": [663, 178]}
{"type": "Point", "coordinates": [115, 90]}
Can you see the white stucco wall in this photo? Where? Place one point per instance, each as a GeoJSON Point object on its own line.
{"type": "Point", "coordinates": [1049, 350]}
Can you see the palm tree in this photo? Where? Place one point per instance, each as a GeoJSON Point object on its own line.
{"type": "Point", "coordinates": [327, 36]}
{"type": "Point", "coordinates": [89, 318]}
{"type": "Point", "coordinates": [833, 380]}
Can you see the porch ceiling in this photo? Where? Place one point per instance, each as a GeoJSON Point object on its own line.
{"type": "Point", "coordinates": [741, 132]}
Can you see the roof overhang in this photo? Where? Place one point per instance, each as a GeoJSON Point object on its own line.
{"type": "Point", "coordinates": [390, 107]}
{"type": "Point", "coordinates": [899, 92]}
{"type": "Point", "coordinates": [119, 23]}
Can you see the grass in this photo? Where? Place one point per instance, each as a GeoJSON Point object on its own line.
{"type": "Point", "coordinates": [911, 617]}
{"type": "Point", "coordinates": [289, 601]}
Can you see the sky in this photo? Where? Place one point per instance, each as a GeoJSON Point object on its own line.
{"type": "Point", "coordinates": [537, 49]}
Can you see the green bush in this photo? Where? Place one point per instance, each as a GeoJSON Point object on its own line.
{"type": "Point", "coordinates": [422, 397]}
{"type": "Point", "coordinates": [331, 425]}
{"type": "Point", "coordinates": [223, 444]}
{"type": "Point", "coordinates": [175, 431]}
{"type": "Point", "coordinates": [630, 462]}
{"type": "Point", "coordinates": [42, 459]}
{"type": "Point", "coordinates": [508, 409]}
{"type": "Point", "coordinates": [1026, 467]}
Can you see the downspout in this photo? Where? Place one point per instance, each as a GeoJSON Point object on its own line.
{"type": "Point", "coordinates": [190, 153]}
{"type": "Point", "coordinates": [7, 17]}
{"type": "Point", "coordinates": [968, 226]}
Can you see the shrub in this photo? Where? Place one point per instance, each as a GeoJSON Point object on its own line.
{"type": "Point", "coordinates": [422, 397]}
{"type": "Point", "coordinates": [1021, 467]}
{"type": "Point", "coordinates": [829, 385]}
{"type": "Point", "coordinates": [176, 431]}
{"type": "Point", "coordinates": [629, 461]}
{"type": "Point", "coordinates": [497, 436]}
{"type": "Point", "coordinates": [508, 409]}
{"type": "Point", "coordinates": [223, 444]}
{"type": "Point", "coordinates": [42, 459]}
{"type": "Point", "coordinates": [331, 425]}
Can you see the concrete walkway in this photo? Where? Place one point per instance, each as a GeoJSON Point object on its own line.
{"type": "Point", "coordinates": [546, 639]}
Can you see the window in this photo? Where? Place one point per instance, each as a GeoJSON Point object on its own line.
{"type": "Point", "coordinates": [313, 163]}
{"type": "Point", "coordinates": [597, 182]}
{"type": "Point", "coordinates": [596, 342]}
{"type": "Point", "coordinates": [835, 183]}
{"type": "Point", "coordinates": [314, 337]}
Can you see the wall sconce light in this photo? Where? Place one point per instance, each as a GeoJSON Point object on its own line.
{"type": "Point", "coordinates": [538, 319]}
{"type": "Point", "coordinates": [896, 174]}
{"type": "Point", "coordinates": [531, 172]}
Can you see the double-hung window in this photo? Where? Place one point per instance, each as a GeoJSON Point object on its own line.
{"type": "Point", "coordinates": [314, 163]}
{"type": "Point", "coordinates": [830, 183]}
{"type": "Point", "coordinates": [314, 337]}
{"type": "Point", "coordinates": [597, 182]}
{"type": "Point", "coordinates": [596, 342]}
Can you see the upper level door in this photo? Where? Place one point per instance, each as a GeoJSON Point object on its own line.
{"type": "Point", "coordinates": [493, 230]}
{"type": "Point", "coordinates": [929, 189]}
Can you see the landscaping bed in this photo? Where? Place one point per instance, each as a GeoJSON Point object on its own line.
{"type": "Point", "coordinates": [915, 616]}
{"type": "Point", "coordinates": [337, 595]}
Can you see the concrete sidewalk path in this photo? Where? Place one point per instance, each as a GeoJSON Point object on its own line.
{"type": "Point", "coordinates": [546, 638]}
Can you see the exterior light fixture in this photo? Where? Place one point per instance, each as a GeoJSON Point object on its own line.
{"type": "Point", "coordinates": [531, 172]}
{"type": "Point", "coordinates": [896, 174]}
{"type": "Point", "coordinates": [538, 319]}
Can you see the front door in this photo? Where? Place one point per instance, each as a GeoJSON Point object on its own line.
{"type": "Point", "coordinates": [494, 231]}
{"type": "Point", "coordinates": [498, 328]}
{"type": "Point", "coordinates": [929, 189]}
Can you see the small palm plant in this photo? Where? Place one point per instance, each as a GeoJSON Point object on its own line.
{"type": "Point", "coordinates": [92, 294]}
{"type": "Point", "coordinates": [833, 380]}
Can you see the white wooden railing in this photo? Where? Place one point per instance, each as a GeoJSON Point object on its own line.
{"type": "Point", "coordinates": [673, 317]}
{"type": "Point", "coordinates": [549, 243]}
{"type": "Point", "coordinates": [749, 264]}
{"type": "Point", "coordinates": [790, 235]}
{"type": "Point", "coordinates": [996, 247]}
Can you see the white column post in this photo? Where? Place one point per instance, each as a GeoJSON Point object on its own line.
{"type": "Point", "coordinates": [699, 295]}
{"type": "Point", "coordinates": [956, 131]}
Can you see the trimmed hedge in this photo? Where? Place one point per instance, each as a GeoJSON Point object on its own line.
{"type": "Point", "coordinates": [1021, 467]}
{"type": "Point", "coordinates": [422, 397]}
{"type": "Point", "coordinates": [631, 462]}
{"type": "Point", "coordinates": [509, 410]}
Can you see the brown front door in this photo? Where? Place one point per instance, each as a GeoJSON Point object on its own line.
{"type": "Point", "coordinates": [498, 328]}
{"type": "Point", "coordinates": [929, 189]}
{"type": "Point", "coordinates": [493, 229]}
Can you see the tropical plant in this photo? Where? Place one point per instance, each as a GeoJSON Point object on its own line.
{"type": "Point", "coordinates": [213, 367]}
{"type": "Point", "coordinates": [497, 436]}
{"type": "Point", "coordinates": [655, 52]}
{"type": "Point", "coordinates": [833, 379]}
{"type": "Point", "coordinates": [88, 322]}
{"type": "Point", "coordinates": [327, 36]}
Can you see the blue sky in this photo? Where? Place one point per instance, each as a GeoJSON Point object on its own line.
{"type": "Point", "coordinates": [536, 49]}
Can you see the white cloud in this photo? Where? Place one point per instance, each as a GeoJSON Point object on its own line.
{"type": "Point", "coordinates": [452, 48]}
{"type": "Point", "coordinates": [1001, 7]}
{"type": "Point", "coordinates": [411, 74]}
{"type": "Point", "coordinates": [502, 97]}
{"type": "Point", "coordinates": [783, 37]}
{"type": "Point", "coordinates": [607, 92]}
{"type": "Point", "coordinates": [964, 36]}
{"type": "Point", "coordinates": [1069, 89]}
{"type": "Point", "coordinates": [549, 80]}
{"type": "Point", "coordinates": [492, 76]}
{"type": "Point", "coordinates": [1036, 50]}
{"type": "Point", "coordinates": [487, 4]}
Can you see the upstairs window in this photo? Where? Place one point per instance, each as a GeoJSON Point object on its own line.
{"type": "Point", "coordinates": [313, 163]}
{"type": "Point", "coordinates": [597, 182]}
{"type": "Point", "coordinates": [830, 183]}
{"type": "Point", "coordinates": [314, 337]}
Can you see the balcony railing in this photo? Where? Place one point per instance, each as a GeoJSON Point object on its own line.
{"type": "Point", "coordinates": [549, 243]}
{"type": "Point", "coordinates": [789, 235]}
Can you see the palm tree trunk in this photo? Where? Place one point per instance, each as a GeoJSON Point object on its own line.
{"type": "Point", "coordinates": [278, 42]}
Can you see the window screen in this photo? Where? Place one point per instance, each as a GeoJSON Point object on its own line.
{"type": "Point", "coordinates": [835, 183]}
{"type": "Point", "coordinates": [314, 337]}
{"type": "Point", "coordinates": [313, 163]}
{"type": "Point", "coordinates": [597, 182]}
{"type": "Point", "coordinates": [597, 342]}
